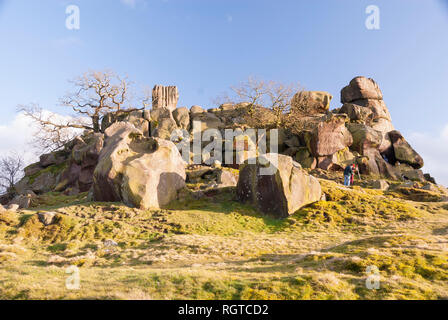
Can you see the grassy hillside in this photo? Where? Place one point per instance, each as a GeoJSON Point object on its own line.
{"type": "Point", "coordinates": [217, 248]}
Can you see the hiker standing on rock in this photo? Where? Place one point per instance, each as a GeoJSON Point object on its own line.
{"type": "Point", "coordinates": [348, 173]}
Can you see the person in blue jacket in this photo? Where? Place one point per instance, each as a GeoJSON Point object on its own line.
{"type": "Point", "coordinates": [348, 172]}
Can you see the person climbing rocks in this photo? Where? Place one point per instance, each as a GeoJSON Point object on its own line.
{"type": "Point", "coordinates": [348, 173]}
{"type": "Point", "coordinates": [352, 178]}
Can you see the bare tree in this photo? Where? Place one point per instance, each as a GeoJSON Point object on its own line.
{"type": "Point", "coordinates": [96, 93]}
{"type": "Point", "coordinates": [11, 167]}
{"type": "Point", "coordinates": [53, 131]}
{"type": "Point", "coordinates": [274, 96]}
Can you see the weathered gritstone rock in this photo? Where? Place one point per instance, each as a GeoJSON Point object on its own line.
{"type": "Point", "coordinates": [364, 137]}
{"type": "Point", "coordinates": [337, 161]}
{"type": "Point", "coordinates": [380, 184]}
{"type": "Point", "coordinates": [165, 97]}
{"type": "Point", "coordinates": [139, 118]}
{"type": "Point", "coordinates": [329, 136]}
{"type": "Point", "coordinates": [361, 88]}
{"type": "Point", "coordinates": [46, 218]}
{"type": "Point", "coordinates": [182, 118]}
{"type": "Point", "coordinates": [12, 207]}
{"type": "Point", "coordinates": [280, 194]}
{"type": "Point", "coordinates": [196, 109]}
{"type": "Point", "coordinates": [305, 158]}
{"type": "Point", "coordinates": [377, 107]}
{"type": "Point", "coordinates": [357, 113]}
{"type": "Point", "coordinates": [316, 101]}
{"type": "Point", "coordinates": [78, 176]}
{"type": "Point", "coordinates": [53, 158]}
{"type": "Point", "coordinates": [207, 120]}
{"type": "Point", "coordinates": [139, 171]}
{"type": "Point", "coordinates": [23, 201]}
{"type": "Point", "coordinates": [162, 123]}
{"type": "Point", "coordinates": [374, 163]}
{"type": "Point", "coordinates": [403, 151]}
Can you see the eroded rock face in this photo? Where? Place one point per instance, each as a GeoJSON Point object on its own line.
{"type": "Point", "coordinates": [317, 101]}
{"type": "Point", "coordinates": [165, 97]}
{"type": "Point", "coordinates": [357, 113]}
{"type": "Point", "coordinates": [182, 118]}
{"type": "Point", "coordinates": [78, 176]}
{"type": "Point", "coordinates": [139, 118]}
{"type": "Point", "coordinates": [139, 171]}
{"type": "Point", "coordinates": [329, 137]}
{"type": "Point", "coordinates": [207, 120]}
{"type": "Point", "coordinates": [361, 88]}
{"type": "Point", "coordinates": [403, 151]}
{"type": "Point", "coordinates": [53, 158]}
{"type": "Point", "coordinates": [364, 137]}
{"type": "Point", "coordinates": [281, 193]}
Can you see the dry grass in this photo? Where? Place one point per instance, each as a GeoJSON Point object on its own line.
{"type": "Point", "coordinates": [216, 248]}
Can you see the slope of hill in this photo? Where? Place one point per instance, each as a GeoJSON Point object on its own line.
{"type": "Point", "coordinates": [218, 248]}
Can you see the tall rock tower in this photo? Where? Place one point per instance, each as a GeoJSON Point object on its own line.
{"type": "Point", "coordinates": [165, 97]}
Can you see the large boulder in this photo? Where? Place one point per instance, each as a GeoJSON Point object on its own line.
{"type": "Point", "coordinates": [280, 192]}
{"type": "Point", "coordinates": [337, 161]}
{"type": "Point", "coordinates": [139, 118]}
{"type": "Point", "coordinates": [364, 137]}
{"type": "Point", "coordinates": [403, 151]}
{"type": "Point", "coordinates": [182, 118]}
{"type": "Point", "coordinates": [373, 163]}
{"type": "Point", "coordinates": [329, 136]}
{"type": "Point", "coordinates": [316, 101]}
{"type": "Point", "coordinates": [377, 107]}
{"type": "Point", "coordinates": [196, 110]}
{"type": "Point", "coordinates": [163, 123]}
{"type": "Point", "coordinates": [139, 171]}
{"type": "Point", "coordinates": [207, 120]}
{"type": "Point", "coordinates": [23, 200]}
{"type": "Point", "coordinates": [87, 149]}
{"type": "Point", "coordinates": [53, 158]}
{"type": "Point", "coordinates": [357, 113]}
{"type": "Point", "coordinates": [361, 88]}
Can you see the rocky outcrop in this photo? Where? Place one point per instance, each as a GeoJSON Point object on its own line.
{"type": "Point", "coordinates": [208, 120]}
{"type": "Point", "coordinates": [357, 113]}
{"type": "Point", "coordinates": [361, 88]}
{"type": "Point", "coordinates": [364, 137]}
{"type": "Point", "coordinates": [330, 136]}
{"type": "Point", "coordinates": [281, 193]}
{"type": "Point", "coordinates": [403, 152]}
{"type": "Point", "coordinates": [139, 118]}
{"type": "Point", "coordinates": [165, 97]}
{"type": "Point", "coordinates": [182, 118]}
{"type": "Point", "coordinates": [139, 171]}
{"type": "Point", "coordinates": [78, 176]}
{"type": "Point", "coordinates": [316, 101]}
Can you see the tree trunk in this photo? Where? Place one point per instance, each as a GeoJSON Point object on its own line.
{"type": "Point", "coordinates": [96, 123]}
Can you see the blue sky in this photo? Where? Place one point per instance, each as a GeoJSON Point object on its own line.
{"type": "Point", "coordinates": [205, 46]}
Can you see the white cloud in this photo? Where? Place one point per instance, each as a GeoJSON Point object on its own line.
{"type": "Point", "coordinates": [129, 3]}
{"type": "Point", "coordinates": [16, 135]}
{"type": "Point", "coordinates": [434, 150]}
